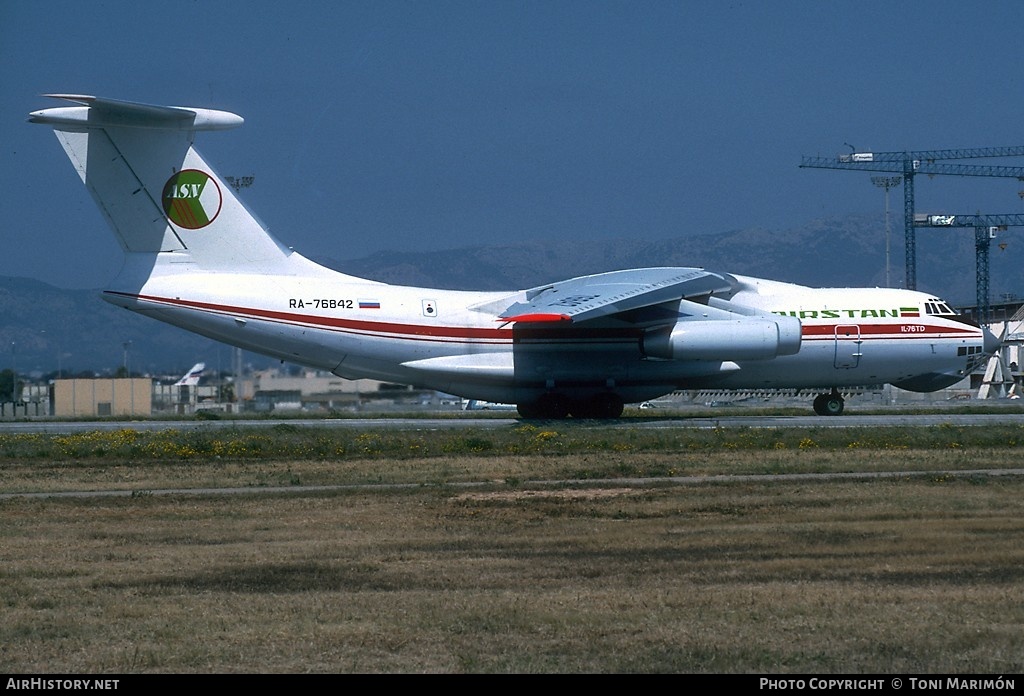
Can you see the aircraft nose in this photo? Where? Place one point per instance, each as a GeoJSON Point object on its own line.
{"type": "Point", "coordinates": [992, 344]}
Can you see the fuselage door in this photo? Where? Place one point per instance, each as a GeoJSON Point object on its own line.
{"type": "Point", "coordinates": [848, 346]}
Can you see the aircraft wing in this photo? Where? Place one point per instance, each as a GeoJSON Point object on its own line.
{"type": "Point", "coordinates": [607, 294]}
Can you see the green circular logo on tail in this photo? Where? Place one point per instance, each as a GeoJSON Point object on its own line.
{"type": "Point", "coordinates": [191, 199]}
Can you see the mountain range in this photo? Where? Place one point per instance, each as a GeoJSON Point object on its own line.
{"type": "Point", "coordinates": [44, 329]}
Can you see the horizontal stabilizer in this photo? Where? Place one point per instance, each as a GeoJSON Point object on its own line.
{"type": "Point", "coordinates": [96, 112]}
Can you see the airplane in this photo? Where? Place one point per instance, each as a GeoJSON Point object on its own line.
{"type": "Point", "coordinates": [583, 347]}
{"type": "Point", "coordinates": [477, 405]}
{"type": "Point", "coordinates": [191, 378]}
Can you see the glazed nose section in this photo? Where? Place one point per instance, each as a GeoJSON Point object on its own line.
{"type": "Point", "coordinates": [992, 343]}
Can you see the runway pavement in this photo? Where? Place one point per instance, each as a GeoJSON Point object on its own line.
{"type": "Point", "coordinates": [430, 423]}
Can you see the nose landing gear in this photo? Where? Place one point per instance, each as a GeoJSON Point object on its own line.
{"type": "Point", "coordinates": [830, 404]}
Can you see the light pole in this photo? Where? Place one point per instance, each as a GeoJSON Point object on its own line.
{"type": "Point", "coordinates": [886, 182]}
{"type": "Point", "coordinates": [14, 374]}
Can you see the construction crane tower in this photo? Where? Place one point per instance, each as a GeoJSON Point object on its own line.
{"type": "Point", "coordinates": [985, 228]}
{"type": "Point", "coordinates": [909, 164]}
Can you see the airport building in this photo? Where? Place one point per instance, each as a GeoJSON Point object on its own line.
{"type": "Point", "coordinates": [76, 398]}
{"type": "Point", "coordinates": [262, 391]}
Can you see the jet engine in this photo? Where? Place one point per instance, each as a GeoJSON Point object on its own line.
{"type": "Point", "coordinates": [749, 338]}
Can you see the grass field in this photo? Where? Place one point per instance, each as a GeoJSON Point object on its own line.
{"type": "Point", "coordinates": [531, 549]}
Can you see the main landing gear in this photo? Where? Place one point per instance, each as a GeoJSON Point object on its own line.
{"type": "Point", "coordinates": [555, 406]}
{"type": "Point", "coordinates": [830, 404]}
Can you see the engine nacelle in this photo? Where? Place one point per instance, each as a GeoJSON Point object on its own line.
{"type": "Point", "coordinates": [753, 338]}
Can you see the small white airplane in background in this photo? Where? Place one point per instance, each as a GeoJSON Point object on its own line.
{"type": "Point", "coordinates": [477, 405]}
{"type": "Point", "coordinates": [196, 258]}
{"type": "Point", "coordinates": [191, 378]}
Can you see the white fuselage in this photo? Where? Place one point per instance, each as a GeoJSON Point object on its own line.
{"type": "Point", "coordinates": [450, 340]}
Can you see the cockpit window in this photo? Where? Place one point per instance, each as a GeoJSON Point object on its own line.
{"type": "Point", "coordinates": [938, 308]}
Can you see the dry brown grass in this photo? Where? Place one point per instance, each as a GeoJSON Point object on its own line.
{"type": "Point", "coordinates": [910, 575]}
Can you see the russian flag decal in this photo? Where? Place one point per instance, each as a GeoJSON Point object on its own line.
{"type": "Point", "coordinates": [369, 304]}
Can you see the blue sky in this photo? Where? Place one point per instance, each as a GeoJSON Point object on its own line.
{"type": "Point", "coordinates": [411, 126]}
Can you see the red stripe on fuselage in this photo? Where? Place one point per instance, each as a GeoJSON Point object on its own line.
{"type": "Point", "coordinates": [901, 330]}
{"type": "Point", "coordinates": [411, 331]}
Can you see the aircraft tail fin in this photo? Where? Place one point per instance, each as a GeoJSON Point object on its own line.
{"type": "Point", "coordinates": [191, 378]}
{"type": "Point", "coordinates": [159, 196]}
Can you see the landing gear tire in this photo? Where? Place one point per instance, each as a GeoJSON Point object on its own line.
{"type": "Point", "coordinates": [606, 405]}
{"type": "Point", "coordinates": [831, 404]}
{"type": "Point", "coordinates": [529, 411]}
{"type": "Point", "coordinates": [550, 406]}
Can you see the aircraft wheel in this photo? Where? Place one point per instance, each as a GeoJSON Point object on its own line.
{"type": "Point", "coordinates": [608, 405]}
{"type": "Point", "coordinates": [585, 408]}
{"type": "Point", "coordinates": [529, 410]}
{"type": "Point", "coordinates": [554, 406]}
{"type": "Point", "coordinates": [829, 404]}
